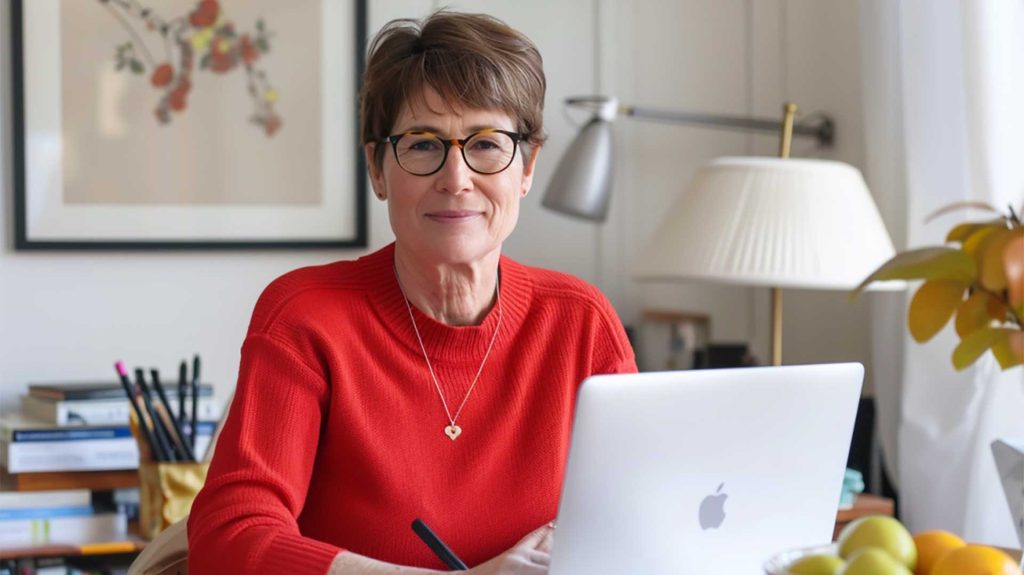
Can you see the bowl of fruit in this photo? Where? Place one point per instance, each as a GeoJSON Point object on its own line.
{"type": "Point", "coordinates": [878, 545]}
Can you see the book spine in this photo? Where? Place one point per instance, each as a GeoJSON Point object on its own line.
{"type": "Point", "coordinates": [84, 433]}
{"type": "Point", "coordinates": [46, 512]}
{"type": "Point", "coordinates": [85, 455]}
{"type": "Point", "coordinates": [70, 434]}
{"type": "Point", "coordinates": [114, 391]}
{"type": "Point", "coordinates": [94, 528]}
{"type": "Point", "coordinates": [101, 412]}
{"type": "Point", "coordinates": [52, 498]}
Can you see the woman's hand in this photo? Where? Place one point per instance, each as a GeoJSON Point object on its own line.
{"type": "Point", "coordinates": [531, 556]}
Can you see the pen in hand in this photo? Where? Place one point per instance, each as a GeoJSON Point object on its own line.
{"type": "Point", "coordinates": [437, 546]}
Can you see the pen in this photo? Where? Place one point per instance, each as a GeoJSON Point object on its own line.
{"type": "Point", "coordinates": [182, 392]}
{"type": "Point", "coordinates": [437, 546]}
{"type": "Point", "coordinates": [195, 399]}
{"type": "Point", "coordinates": [175, 426]}
{"type": "Point", "coordinates": [166, 452]}
{"type": "Point", "coordinates": [129, 390]}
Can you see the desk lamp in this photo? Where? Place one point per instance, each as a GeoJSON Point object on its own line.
{"type": "Point", "coordinates": [759, 221]}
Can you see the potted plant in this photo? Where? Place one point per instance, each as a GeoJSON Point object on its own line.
{"type": "Point", "coordinates": [978, 277]}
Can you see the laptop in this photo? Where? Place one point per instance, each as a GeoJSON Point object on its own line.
{"type": "Point", "coordinates": [706, 471]}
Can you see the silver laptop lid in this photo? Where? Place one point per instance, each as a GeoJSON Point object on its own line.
{"type": "Point", "coordinates": [698, 472]}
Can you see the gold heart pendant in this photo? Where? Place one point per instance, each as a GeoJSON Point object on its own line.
{"type": "Point", "coordinates": [453, 431]}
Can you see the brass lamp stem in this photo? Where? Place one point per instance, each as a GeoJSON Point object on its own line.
{"type": "Point", "coordinates": [789, 111]}
{"type": "Point", "coordinates": [776, 326]}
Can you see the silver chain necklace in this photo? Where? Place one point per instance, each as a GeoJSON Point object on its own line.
{"type": "Point", "coordinates": [452, 430]}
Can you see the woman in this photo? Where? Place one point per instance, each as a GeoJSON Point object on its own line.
{"type": "Point", "coordinates": [434, 378]}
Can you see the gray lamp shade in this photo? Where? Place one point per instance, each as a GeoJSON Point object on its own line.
{"type": "Point", "coordinates": [581, 185]}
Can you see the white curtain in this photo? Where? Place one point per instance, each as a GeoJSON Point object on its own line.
{"type": "Point", "coordinates": [944, 122]}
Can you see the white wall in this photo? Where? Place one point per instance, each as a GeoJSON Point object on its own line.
{"type": "Point", "coordinates": [68, 315]}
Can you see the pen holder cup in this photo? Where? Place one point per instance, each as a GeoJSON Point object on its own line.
{"type": "Point", "coordinates": [166, 491]}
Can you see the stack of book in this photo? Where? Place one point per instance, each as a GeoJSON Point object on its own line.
{"type": "Point", "coordinates": [84, 427]}
{"type": "Point", "coordinates": [100, 403]}
{"type": "Point", "coordinates": [33, 446]}
{"type": "Point", "coordinates": [68, 464]}
{"type": "Point", "coordinates": [65, 517]}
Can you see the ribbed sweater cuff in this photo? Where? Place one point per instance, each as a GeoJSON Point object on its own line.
{"type": "Point", "coordinates": [298, 555]}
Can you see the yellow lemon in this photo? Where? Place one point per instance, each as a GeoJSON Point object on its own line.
{"type": "Point", "coordinates": [821, 564]}
{"type": "Point", "coordinates": [874, 561]}
{"type": "Point", "coordinates": [932, 546]}
{"type": "Point", "coordinates": [976, 560]}
{"type": "Point", "coordinates": [882, 532]}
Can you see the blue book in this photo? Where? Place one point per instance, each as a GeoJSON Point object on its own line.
{"type": "Point", "coordinates": [46, 512]}
{"type": "Point", "coordinates": [15, 429]}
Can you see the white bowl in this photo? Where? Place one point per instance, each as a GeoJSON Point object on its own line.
{"type": "Point", "coordinates": [779, 564]}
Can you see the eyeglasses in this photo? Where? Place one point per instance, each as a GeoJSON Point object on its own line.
{"type": "Point", "coordinates": [485, 152]}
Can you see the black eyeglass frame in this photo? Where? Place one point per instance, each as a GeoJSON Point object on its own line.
{"type": "Point", "coordinates": [517, 137]}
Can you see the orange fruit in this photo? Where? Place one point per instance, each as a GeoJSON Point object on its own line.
{"type": "Point", "coordinates": [976, 560]}
{"type": "Point", "coordinates": [932, 546]}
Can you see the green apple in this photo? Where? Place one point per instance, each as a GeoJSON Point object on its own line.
{"type": "Point", "coordinates": [880, 532]}
{"type": "Point", "coordinates": [821, 564]}
{"type": "Point", "coordinates": [874, 561]}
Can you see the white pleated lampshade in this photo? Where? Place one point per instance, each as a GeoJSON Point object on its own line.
{"type": "Point", "coordinates": [788, 223]}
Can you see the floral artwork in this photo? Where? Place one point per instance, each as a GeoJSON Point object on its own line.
{"type": "Point", "coordinates": [187, 124]}
{"type": "Point", "coordinates": [203, 40]}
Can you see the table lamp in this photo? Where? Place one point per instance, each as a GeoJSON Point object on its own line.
{"type": "Point", "coordinates": [771, 222]}
{"type": "Point", "coordinates": [775, 222]}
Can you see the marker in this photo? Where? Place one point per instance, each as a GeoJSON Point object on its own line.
{"type": "Point", "coordinates": [129, 390]}
{"type": "Point", "coordinates": [182, 391]}
{"type": "Point", "coordinates": [438, 546]}
{"type": "Point", "coordinates": [175, 427]}
{"type": "Point", "coordinates": [195, 399]}
{"type": "Point", "coordinates": [166, 451]}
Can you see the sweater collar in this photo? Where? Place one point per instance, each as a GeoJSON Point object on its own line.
{"type": "Point", "coordinates": [447, 343]}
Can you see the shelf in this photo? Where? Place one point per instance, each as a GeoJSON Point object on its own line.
{"type": "Point", "coordinates": [132, 545]}
{"type": "Point", "coordinates": [46, 481]}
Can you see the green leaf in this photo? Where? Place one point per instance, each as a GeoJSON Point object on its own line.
{"type": "Point", "coordinates": [1009, 350]}
{"type": "Point", "coordinates": [259, 24]}
{"type": "Point", "coordinates": [974, 345]}
{"type": "Point", "coordinates": [973, 314]}
{"type": "Point", "coordinates": [963, 231]}
{"type": "Point", "coordinates": [137, 67]}
{"type": "Point", "coordinates": [932, 307]}
{"type": "Point", "coordinates": [937, 263]}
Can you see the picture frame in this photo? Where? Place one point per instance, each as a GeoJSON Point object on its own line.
{"type": "Point", "coordinates": [188, 124]}
{"type": "Point", "coordinates": [670, 340]}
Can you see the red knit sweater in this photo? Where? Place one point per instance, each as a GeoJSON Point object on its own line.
{"type": "Point", "coordinates": [335, 436]}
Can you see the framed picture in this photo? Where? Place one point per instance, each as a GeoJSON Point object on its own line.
{"type": "Point", "coordinates": [188, 124]}
{"type": "Point", "coordinates": [671, 340]}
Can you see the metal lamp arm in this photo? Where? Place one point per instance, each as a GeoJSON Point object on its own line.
{"type": "Point", "coordinates": [823, 130]}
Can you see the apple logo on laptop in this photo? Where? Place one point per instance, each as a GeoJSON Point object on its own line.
{"type": "Point", "coordinates": [712, 509]}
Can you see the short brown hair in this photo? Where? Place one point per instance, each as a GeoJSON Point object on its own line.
{"type": "Point", "coordinates": [471, 60]}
